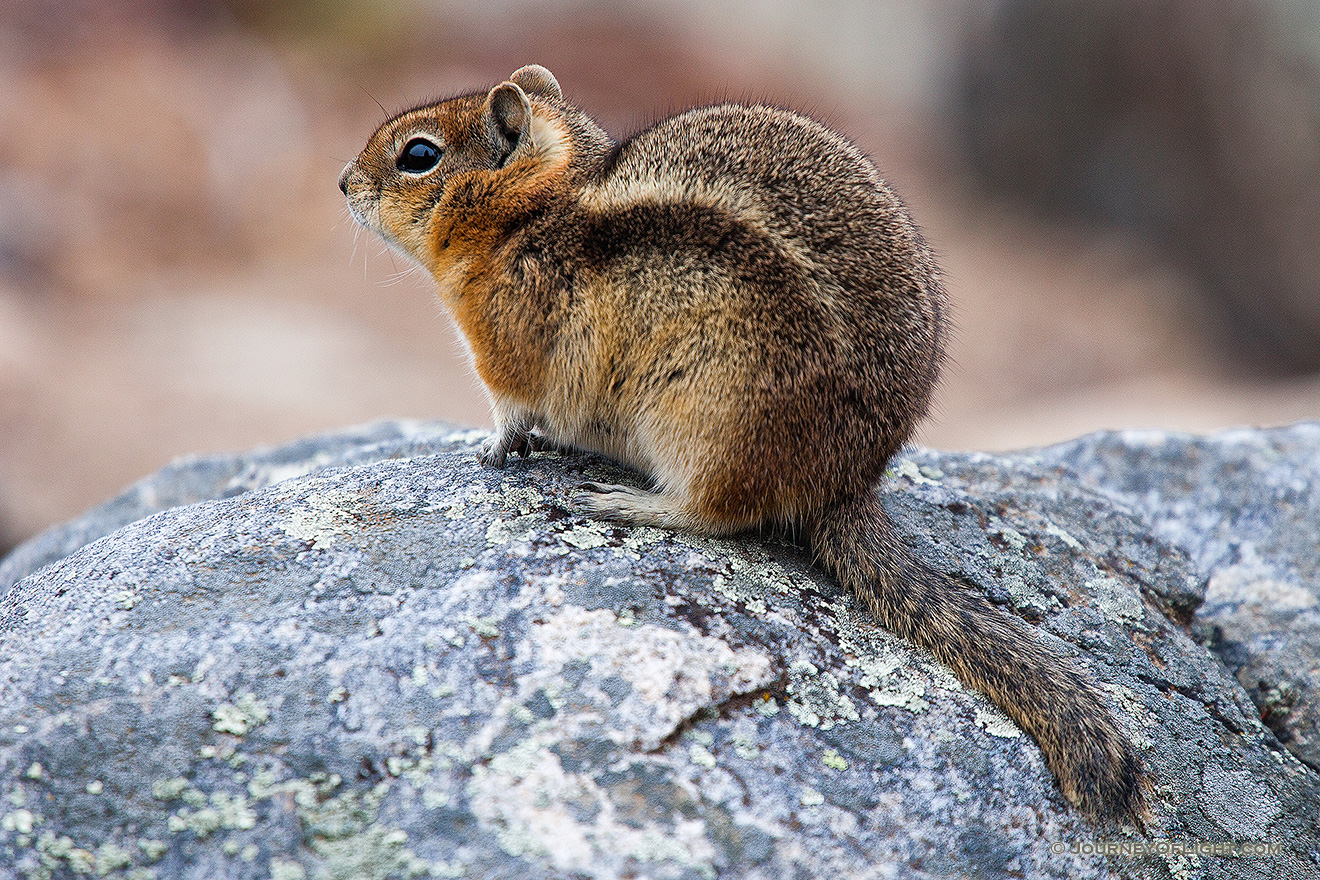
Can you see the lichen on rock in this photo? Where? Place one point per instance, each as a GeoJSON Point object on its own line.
{"type": "Point", "coordinates": [365, 656]}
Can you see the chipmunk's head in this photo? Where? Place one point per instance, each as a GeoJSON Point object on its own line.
{"type": "Point", "coordinates": [464, 149]}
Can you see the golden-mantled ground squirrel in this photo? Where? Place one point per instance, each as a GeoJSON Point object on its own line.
{"type": "Point", "coordinates": [735, 304]}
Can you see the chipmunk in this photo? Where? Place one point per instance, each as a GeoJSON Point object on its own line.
{"type": "Point", "coordinates": [735, 304]}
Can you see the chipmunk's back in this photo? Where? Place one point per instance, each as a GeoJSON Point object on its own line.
{"type": "Point", "coordinates": [808, 184]}
{"type": "Point", "coordinates": [834, 244]}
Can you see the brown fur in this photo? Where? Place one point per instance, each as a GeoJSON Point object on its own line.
{"type": "Point", "coordinates": [734, 303]}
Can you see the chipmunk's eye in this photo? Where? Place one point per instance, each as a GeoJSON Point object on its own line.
{"type": "Point", "coordinates": [418, 156]}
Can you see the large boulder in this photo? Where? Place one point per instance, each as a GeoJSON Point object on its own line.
{"type": "Point", "coordinates": [365, 656]}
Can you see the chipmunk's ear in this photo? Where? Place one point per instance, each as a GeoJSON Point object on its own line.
{"type": "Point", "coordinates": [509, 118]}
{"type": "Point", "coordinates": [538, 82]}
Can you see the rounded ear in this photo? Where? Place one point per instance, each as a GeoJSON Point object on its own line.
{"type": "Point", "coordinates": [509, 118]}
{"type": "Point", "coordinates": [536, 80]}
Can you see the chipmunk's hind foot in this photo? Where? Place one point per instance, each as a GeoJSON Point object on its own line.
{"type": "Point", "coordinates": [638, 507]}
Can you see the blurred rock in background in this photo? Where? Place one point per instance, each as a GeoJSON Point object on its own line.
{"type": "Point", "coordinates": [178, 273]}
{"type": "Point", "coordinates": [1195, 125]}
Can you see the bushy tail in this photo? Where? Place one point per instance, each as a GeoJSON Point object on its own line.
{"type": "Point", "coordinates": [990, 651]}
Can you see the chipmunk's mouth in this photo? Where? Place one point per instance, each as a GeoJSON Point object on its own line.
{"type": "Point", "coordinates": [367, 213]}
{"type": "Point", "coordinates": [363, 204]}
{"type": "Point", "coordinates": [376, 214]}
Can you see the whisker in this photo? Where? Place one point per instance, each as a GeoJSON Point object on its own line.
{"type": "Point", "coordinates": [385, 112]}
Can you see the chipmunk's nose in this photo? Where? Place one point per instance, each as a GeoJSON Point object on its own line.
{"type": "Point", "coordinates": [343, 178]}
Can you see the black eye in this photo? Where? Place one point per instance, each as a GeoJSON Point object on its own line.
{"type": "Point", "coordinates": [418, 156]}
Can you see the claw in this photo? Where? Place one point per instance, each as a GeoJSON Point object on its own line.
{"type": "Point", "coordinates": [494, 452]}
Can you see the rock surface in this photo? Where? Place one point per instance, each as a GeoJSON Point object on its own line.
{"type": "Point", "coordinates": [364, 656]}
{"type": "Point", "coordinates": [1245, 506]}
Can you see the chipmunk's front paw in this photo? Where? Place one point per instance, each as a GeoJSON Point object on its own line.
{"type": "Point", "coordinates": [493, 452]}
{"type": "Point", "coordinates": [496, 448]}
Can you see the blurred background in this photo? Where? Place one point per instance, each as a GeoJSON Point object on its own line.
{"type": "Point", "coordinates": [1125, 194]}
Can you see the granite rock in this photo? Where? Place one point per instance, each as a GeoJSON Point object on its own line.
{"type": "Point", "coordinates": [365, 656]}
{"type": "Point", "coordinates": [1245, 506]}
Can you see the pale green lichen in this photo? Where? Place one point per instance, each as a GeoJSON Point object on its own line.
{"type": "Point", "coordinates": [908, 468]}
{"type": "Point", "coordinates": [502, 532]}
{"type": "Point", "coordinates": [745, 746]}
{"type": "Point", "coordinates": [701, 756]}
{"type": "Point", "coordinates": [811, 798]}
{"type": "Point", "coordinates": [222, 810]}
{"type": "Point", "coordinates": [524, 499]}
{"type": "Point", "coordinates": [322, 517]}
{"type": "Point", "coordinates": [154, 850]}
{"type": "Point", "coordinates": [1028, 597]}
{"type": "Point", "coordinates": [20, 821]}
{"type": "Point", "coordinates": [55, 852]}
{"type": "Point", "coordinates": [832, 759]}
{"type": "Point", "coordinates": [1012, 536]}
{"type": "Point", "coordinates": [54, 847]}
{"type": "Point", "coordinates": [656, 846]}
{"type": "Point", "coordinates": [1073, 543]}
{"type": "Point", "coordinates": [306, 792]}
{"type": "Point", "coordinates": [373, 853]}
{"type": "Point", "coordinates": [448, 870]}
{"type": "Point", "coordinates": [110, 857]}
{"type": "Point", "coordinates": [755, 574]}
{"type": "Point", "coordinates": [96, 786]}
{"type": "Point", "coordinates": [524, 796]}
{"type": "Point", "coordinates": [815, 699]}
{"type": "Point", "coordinates": [909, 694]}
{"type": "Point", "coordinates": [81, 861]}
{"type": "Point", "coordinates": [342, 829]}
{"type": "Point", "coordinates": [885, 667]}
{"type": "Point", "coordinates": [35, 771]}
{"type": "Point", "coordinates": [281, 869]}
{"type": "Point", "coordinates": [1117, 599]}
{"type": "Point", "coordinates": [893, 672]}
{"type": "Point", "coordinates": [240, 716]}
{"type": "Point", "coordinates": [585, 537]}
{"type": "Point", "coordinates": [485, 627]}
{"type": "Point", "coordinates": [996, 723]}
{"type": "Point", "coordinates": [639, 538]}
{"type": "Point", "coordinates": [169, 789]}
